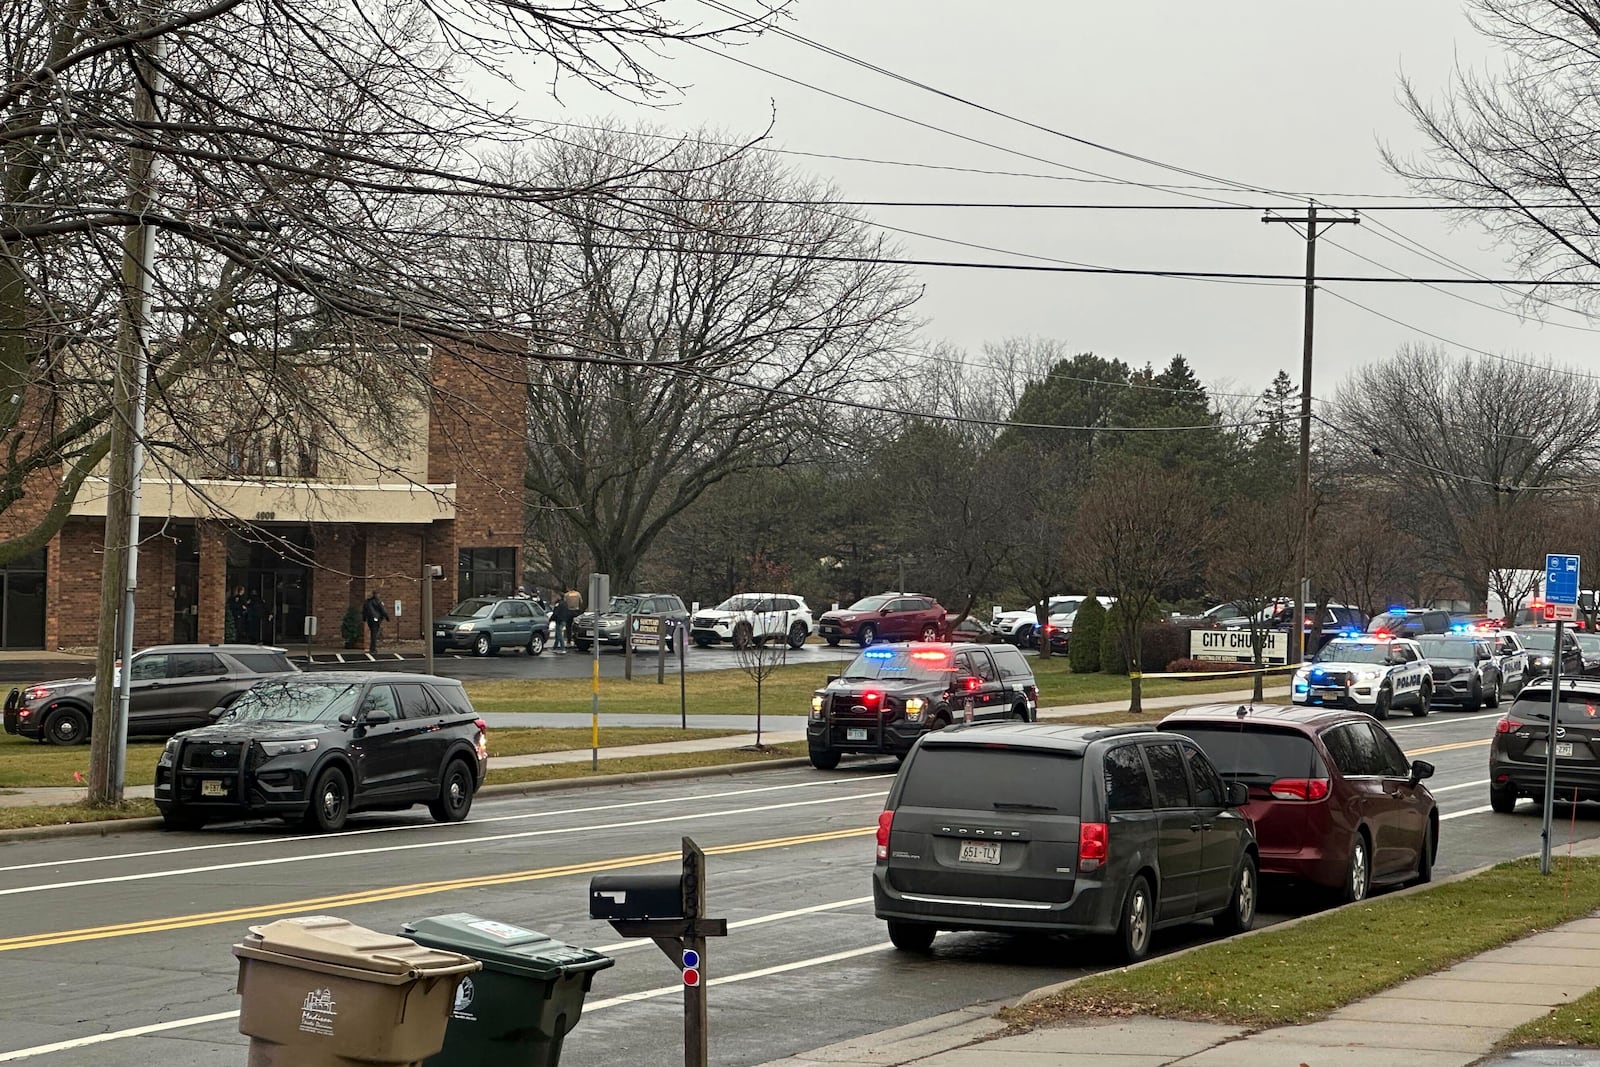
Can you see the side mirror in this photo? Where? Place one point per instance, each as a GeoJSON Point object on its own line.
{"type": "Point", "coordinates": [883, 611]}
{"type": "Point", "coordinates": [216, 713]}
{"type": "Point", "coordinates": [1238, 794]}
{"type": "Point", "coordinates": [831, 679]}
{"type": "Point", "coordinates": [346, 719]}
{"type": "Point", "coordinates": [375, 717]}
{"type": "Point", "coordinates": [966, 683]}
{"type": "Point", "coordinates": [1420, 769]}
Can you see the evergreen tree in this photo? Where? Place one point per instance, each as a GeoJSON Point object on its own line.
{"type": "Point", "coordinates": [1088, 630]}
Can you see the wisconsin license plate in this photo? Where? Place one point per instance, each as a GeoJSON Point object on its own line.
{"type": "Point", "coordinates": [210, 787]}
{"type": "Point", "coordinates": [438, 633]}
{"type": "Point", "coordinates": [980, 852]}
{"type": "Point", "coordinates": [1563, 749]}
{"type": "Point", "coordinates": [859, 733]}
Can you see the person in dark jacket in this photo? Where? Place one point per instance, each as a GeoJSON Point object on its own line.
{"type": "Point", "coordinates": [375, 615]}
{"type": "Point", "coordinates": [561, 615]}
{"type": "Point", "coordinates": [236, 605]}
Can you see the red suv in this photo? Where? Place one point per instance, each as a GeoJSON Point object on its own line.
{"type": "Point", "coordinates": [885, 617]}
{"type": "Point", "coordinates": [1334, 800]}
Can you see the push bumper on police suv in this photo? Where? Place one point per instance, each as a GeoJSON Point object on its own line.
{"type": "Point", "coordinates": [1353, 690]}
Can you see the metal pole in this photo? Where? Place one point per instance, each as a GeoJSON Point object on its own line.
{"type": "Point", "coordinates": [627, 647]}
{"type": "Point", "coordinates": [683, 692]}
{"type": "Point", "coordinates": [427, 617]}
{"type": "Point", "coordinates": [1550, 752]}
{"type": "Point", "coordinates": [664, 627]}
{"type": "Point", "coordinates": [594, 706]}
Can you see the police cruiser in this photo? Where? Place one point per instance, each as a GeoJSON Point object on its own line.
{"type": "Point", "coordinates": [1371, 674]}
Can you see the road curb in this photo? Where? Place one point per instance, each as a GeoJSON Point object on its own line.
{"type": "Point", "coordinates": [100, 828]}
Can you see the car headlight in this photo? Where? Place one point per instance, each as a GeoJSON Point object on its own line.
{"type": "Point", "coordinates": [1368, 676]}
{"type": "Point", "coordinates": [465, 627]}
{"type": "Point", "coordinates": [914, 706]}
{"type": "Point", "coordinates": [284, 748]}
{"type": "Point", "coordinates": [816, 706]}
{"type": "Point", "coordinates": [170, 752]}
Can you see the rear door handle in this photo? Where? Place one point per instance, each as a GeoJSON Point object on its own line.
{"type": "Point", "coordinates": [1198, 826]}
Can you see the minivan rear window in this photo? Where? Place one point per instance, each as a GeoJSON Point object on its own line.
{"type": "Point", "coordinates": [1252, 753]}
{"type": "Point", "coordinates": [993, 778]}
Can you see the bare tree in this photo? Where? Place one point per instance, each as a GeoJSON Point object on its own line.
{"type": "Point", "coordinates": [1041, 489]}
{"type": "Point", "coordinates": [1141, 531]}
{"type": "Point", "coordinates": [1362, 557]}
{"type": "Point", "coordinates": [1254, 562]}
{"type": "Point", "coordinates": [760, 658]}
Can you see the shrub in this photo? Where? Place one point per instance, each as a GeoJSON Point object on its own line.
{"type": "Point", "coordinates": [1157, 647]}
{"type": "Point", "coordinates": [1163, 643]}
{"type": "Point", "coordinates": [1186, 665]}
{"type": "Point", "coordinates": [350, 628]}
{"type": "Point", "coordinates": [1113, 660]}
{"type": "Point", "coordinates": [1087, 631]}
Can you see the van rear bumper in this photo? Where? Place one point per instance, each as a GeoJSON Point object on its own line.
{"type": "Point", "coordinates": [1093, 908]}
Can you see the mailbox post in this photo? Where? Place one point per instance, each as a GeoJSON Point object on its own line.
{"type": "Point", "coordinates": [668, 910]}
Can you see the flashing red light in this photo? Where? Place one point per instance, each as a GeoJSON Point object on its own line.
{"type": "Point", "coordinates": [971, 684]}
{"type": "Point", "coordinates": [870, 697]}
{"type": "Point", "coordinates": [1299, 788]}
{"type": "Point", "coordinates": [931, 655]}
{"type": "Point", "coordinates": [1094, 845]}
{"type": "Point", "coordinates": [36, 693]}
{"type": "Point", "coordinates": [885, 821]}
{"type": "Point", "coordinates": [1382, 633]}
{"type": "Point", "coordinates": [1505, 726]}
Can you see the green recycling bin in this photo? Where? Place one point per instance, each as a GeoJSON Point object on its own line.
{"type": "Point", "coordinates": [518, 1010]}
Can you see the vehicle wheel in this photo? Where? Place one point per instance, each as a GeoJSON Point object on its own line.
{"type": "Point", "coordinates": [181, 820]}
{"type": "Point", "coordinates": [1425, 860]}
{"type": "Point", "coordinates": [798, 634]}
{"type": "Point", "coordinates": [455, 794]}
{"type": "Point", "coordinates": [1138, 921]}
{"type": "Point", "coordinates": [1025, 635]}
{"type": "Point", "coordinates": [330, 802]}
{"type": "Point", "coordinates": [68, 726]}
{"type": "Point", "coordinates": [930, 632]}
{"type": "Point", "coordinates": [702, 642]}
{"type": "Point", "coordinates": [1497, 694]}
{"type": "Point", "coordinates": [1380, 707]}
{"type": "Point", "coordinates": [866, 635]}
{"type": "Point", "coordinates": [535, 644]}
{"type": "Point", "coordinates": [823, 759]}
{"type": "Point", "coordinates": [483, 646]}
{"type": "Point", "coordinates": [1424, 702]}
{"type": "Point", "coordinates": [1358, 872]}
{"type": "Point", "coordinates": [1020, 713]}
{"type": "Point", "coordinates": [582, 646]}
{"type": "Point", "coordinates": [833, 642]}
{"type": "Point", "coordinates": [911, 937]}
{"type": "Point", "coordinates": [1241, 913]}
{"type": "Point", "coordinates": [741, 635]}
{"type": "Point", "coordinates": [1475, 701]}
{"type": "Point", "coordinates": [1502, 798]}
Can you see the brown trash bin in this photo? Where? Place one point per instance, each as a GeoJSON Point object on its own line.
{"type": "Point", "coordinates": [321, 992]}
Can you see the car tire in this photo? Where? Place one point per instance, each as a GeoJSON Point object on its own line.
{"type": "Point", "coordinates": [483, 645]}
{"type": "Point", "coordinates": [1137, 926]}
{"type": "Point", "coordinates": [1475, 701]}
{"type": "Point", "coordinates": [1380, 706]}
{"type": "Point", "coordinates": [1241, 912]}
{"type": "Point", "coordinates": [702, 642]}
{"type": "Point", "coordinates": [329, 805]}
{"type": "Point", "coordinates": [1424, 702]}
{"type": "Point", "coordinates": [866, 635]}
{"type": "Point", "coordinates": [455, 793]}
{"type": "Point", "coordinates": [1024, 637]}
{"type": "Point", "coordinates": [1357, 871]}
{"type": "Point", "coordinates": [535, 644]}
{"type": "Point", "coordinates": [911, 937]}
{"type": "Point", "coordinates": [1020, 713]}
{"type": "Point", "coordinates": [1502, 799]}
{"type": "Point", "coordinates": [1496, 695]}
{"type": "Point", "coordinates": [181, 820]}
{"type": "Point", "coordinates": [930, 632]}
{"type": "Point", "coordinates": [823, 759]}
{"type": "Point", "coordinates": [742, 637]}
{"type": "Point", "coordinates": [833, 642]}
{"type": "Point", "coordinates": [798, 634]}
{"type": "Point", "coordinates": [1430, 845]}
{"type": "Point", "coordinates": [67, 726]}
{"type": "Point", "coordinates": [582, 646]}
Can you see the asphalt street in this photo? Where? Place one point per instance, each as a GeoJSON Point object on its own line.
{"type": "Point", "coordinates": [116, 949]}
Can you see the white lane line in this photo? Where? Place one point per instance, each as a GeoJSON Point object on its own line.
{"type": "Point", "coordinates": [742, 924]}
{"type": "Point", "coordinates": [666, 990]}
{"type": "Point", "coordinates": [1468, 811]}
{"type": "Point", "coordinates": [302, 839]}
{"type": "Point", "coordinates": [1436, 790]}
{"type": "Point", "coordinates": [146, 876]}
{"type": "Point", "coordinates": [1420, 723]}
{"type": "Point", "coordinates": [115, 1035]}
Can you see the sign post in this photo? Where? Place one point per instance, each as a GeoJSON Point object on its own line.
{"type": "Point", "coordinates": [599, 599]}
{"type": "Point", "coordinates": [1561, 599]}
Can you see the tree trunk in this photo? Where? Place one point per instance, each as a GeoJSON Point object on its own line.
{"type": "Point", "coordinates": [1041, 635]}
{"type": "Point", "coordinates": [1134, 641]}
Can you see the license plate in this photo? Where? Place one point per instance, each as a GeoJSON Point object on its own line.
{"type": "Point", "coordinates": [980, 852]}
{"type": "Point", "coordinates": [1563, 749]}
{"type": "Point", "coordinates": [438, 633]}
{"type": "Point", "coordinates": [859, 733]}
{"type": "Point", "coordinates": [211, 787]}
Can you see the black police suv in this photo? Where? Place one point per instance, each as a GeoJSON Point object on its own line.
{"type": "Point", "coordinates": [890, 695]}
{"type": "Point", "coordinates": [316, 747]}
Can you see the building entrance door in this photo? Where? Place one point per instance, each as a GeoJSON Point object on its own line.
{"type": "Point", "coordinates": [277, 585]}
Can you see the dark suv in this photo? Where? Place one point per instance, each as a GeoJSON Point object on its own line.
{"type": "Point", "coordinates": [890, 695]}
{"type": "Point", "coordinates": [1333, 799]}
{"type": "Point", "coordinates": [1517, 749]}
{"type": "Point", "coordinates": [612, 623]}
{"type": "Point", "coordinates": [488, 624]}
{"type": "Point", "coordinates": [1062, 829]}
{"type": "Point", "coordinates": [885, 617]}
{"type": "Point", "coordinates": [316, 747]}
{"type": "Point", "coordinates": [173, 687]}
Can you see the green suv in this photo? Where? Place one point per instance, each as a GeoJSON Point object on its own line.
{"type": "Point", "coordinates": [487, 624]}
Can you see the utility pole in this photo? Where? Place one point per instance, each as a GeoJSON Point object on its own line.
{"type": "Point", "coordinates": [1313, 228]}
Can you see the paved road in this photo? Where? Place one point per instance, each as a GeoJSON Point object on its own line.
{"type": "Point", "coordinates": [549, 664]}
{"type": "Point", "coordinates": [103, 936]}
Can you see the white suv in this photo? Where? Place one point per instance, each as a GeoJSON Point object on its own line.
{"type": "Point", "coordinates": [753, 617]}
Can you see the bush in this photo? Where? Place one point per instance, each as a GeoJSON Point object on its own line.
{"type": "Point", "coordinates": [1185, 665]}
{"type": "Point", "coordinates": [1112, 658]}
{"type": "Point", "coordinates": [350, 628]}
{"type": "Point", "coordinates": [1162, 642]}
{"type": "Point", "coordinates": [1087, 631]}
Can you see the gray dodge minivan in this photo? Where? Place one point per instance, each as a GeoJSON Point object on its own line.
{"type": "Point", "coordinates": [1114, 831]}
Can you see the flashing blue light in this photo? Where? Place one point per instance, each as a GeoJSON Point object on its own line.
{"type": "Point", "coordinates": [879, 653]}
{"type": "Point", "coordinates": [1318, 673]}
{"type": "Point", "coordinates": [1458, 628]}
{"type": "Point", "coordinates": [1301, 687]}
{"type": "Point", "coordinates": [1349, 633]}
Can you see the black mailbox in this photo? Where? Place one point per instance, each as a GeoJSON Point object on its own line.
{"type": "Point", "coordinates": [636, 896]}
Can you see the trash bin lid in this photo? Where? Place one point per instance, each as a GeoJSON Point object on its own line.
{"type": "Point", "coordinates": [504, 947]}
{"type": "Point", "coordinates": [331, 940]}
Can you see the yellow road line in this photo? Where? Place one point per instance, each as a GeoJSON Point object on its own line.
{"type": "Point", "coordinates": [399, 892]}
{"type": "Point", "coordinates": [1446, 748]}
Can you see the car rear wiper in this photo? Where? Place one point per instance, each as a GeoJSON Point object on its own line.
{"type": "Point", "coordinates": [1005, 805]}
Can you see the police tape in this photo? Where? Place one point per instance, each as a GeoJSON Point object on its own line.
{"type": "Point", "coordinates": [1246, 673]}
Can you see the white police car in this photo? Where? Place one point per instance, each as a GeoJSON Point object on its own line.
{"type": "Point", "coordinates": [1371, 674]}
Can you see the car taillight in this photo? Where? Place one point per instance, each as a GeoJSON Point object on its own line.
{"type": "Point", "coordinates": [1093, 845]}
{"type": "Point", "coordinates": [1505, 726]}
{"type": "Point", "coordinates": [483, 737]}
{"type": "Point", "coordinates": [885, 821]}
{"type": "Point", "coordinates": [1299, 788]}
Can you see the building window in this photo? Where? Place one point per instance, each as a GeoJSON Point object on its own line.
{"type": "Point", "coordinates": [486, 572]}
{"type": "Point", "coordinates": [273, 454]}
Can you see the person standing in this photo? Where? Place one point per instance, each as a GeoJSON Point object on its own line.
{"type": "Point", "coordinates": [561, 615]}
{"type": "Point", "coordinates": [375, 615]}
{"type": "Point", "coordinates": [236, 613]}
{"type": "Point", "coordinates": [257, 620]}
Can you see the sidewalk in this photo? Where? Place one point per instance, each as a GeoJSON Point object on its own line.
{"type": "Point", "coordinates": [1449, 1019]}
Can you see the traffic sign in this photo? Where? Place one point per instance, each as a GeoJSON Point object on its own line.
{"type": "Point", "coordinates": [1561, 580]}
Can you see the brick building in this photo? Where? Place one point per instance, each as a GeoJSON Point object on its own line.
{"type": "Point", "coordinates": [370, 517]}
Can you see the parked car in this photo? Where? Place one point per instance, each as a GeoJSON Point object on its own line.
{"type": "Point", "coordinates": [885, 617]}
{"type": "Point", "coordinates": [1112, 831]}
{"type": "Point", "coordinates": [1589, 645]}
{"type": "Point", "coordinates": [316, 747]}
{"type": "Point", "coordinates": [753, 617]}
{"type": "Point", "coordinates": [1337, 619]}
{"type": "Point", "coordinates": [1018, 626]}
{"type": "Point", "coordinates": [1465, 669]}
{"type": "Point", "coordinates": [1368, 673]}
{"type": "Point", "coordinates": [890, 695]}
{"type": "Point", "coordinates": [1410, 622]}
{"type": "Point", "coordinates": [171, 688]}
{"type": "Point", "coordinates": [1333, 799]}
{"type": "Point", "coordinates": [1058, 629]}
{"type": "Point", "coordinates": [1517, 748]}
{"type": "Point", "coordinates": [609, 627]}
{"type": "Point", "coordinates": [970, 628]}
{"type": "Point", "coordinates": [1511, 657]}
{"type": "Point", "coordinates": [487, 624]}
{"type": "Point", "coordinates": [1540, 643]}
{"type": "Point", "coordinates": [1217, 615]}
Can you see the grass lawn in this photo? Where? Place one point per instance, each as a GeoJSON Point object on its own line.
{"type": "Point", "coordinates": [60, 814]}
{"type": "Point", "coordinates": [1302, 972]}
{"type": "Point", "coordinates": [1577, 1024]}
{"type": "Point", "coordinates": [634, 764]}
{"type": "Point", "coordinates": [788, 691]}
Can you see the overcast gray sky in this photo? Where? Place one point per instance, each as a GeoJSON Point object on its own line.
{"type": "Point", "coordinates": [1288, 96]}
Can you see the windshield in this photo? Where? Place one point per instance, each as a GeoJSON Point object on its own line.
{"type": "Point", "coordinates": [897, 664]}
{"type": "Point", "coordinates": [1252, 752]}
{"type": "Point", "coordinates": [869, 603]}
{"type": "Point", "coordinates": [1589, 642]}
{"type": "Point", "coordinates": [1064, 604]}
{"type": "Point", "coordinates": [1576, 707]}
{"type": "Point", "coordinates": [297, 701]}
{"type": "Point", "coordinates": [740, 603]}
{"type": "Point", "coordinates": [622, 605]}
{"type": "Point", "coordinates": [474, 609]}
{"type": "Point", "coordinates": [1538, 640]}
{"type": "Point", "coordinates": [1447, 647]}
{"type": "Point", "coordinates": [1352, 652]}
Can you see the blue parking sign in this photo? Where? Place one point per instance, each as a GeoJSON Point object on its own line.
{"type": "Point", "coordinates": [1561, 579]}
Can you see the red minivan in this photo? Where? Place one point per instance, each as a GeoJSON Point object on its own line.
{"type": "Point", "coordinates": [1334, 799]}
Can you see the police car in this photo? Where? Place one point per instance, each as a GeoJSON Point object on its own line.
{"type": "Point", "coordinates": [1371, 674]}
